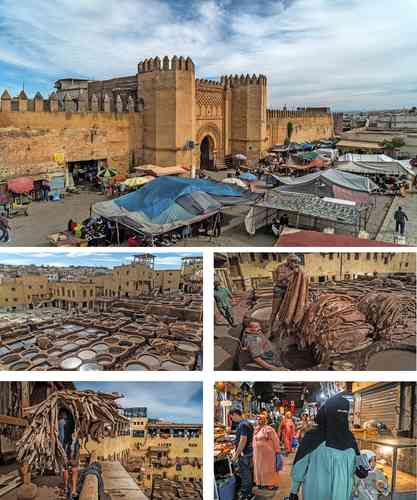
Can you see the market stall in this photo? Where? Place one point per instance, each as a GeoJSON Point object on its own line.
{"type": "Point", "coordinates": [169, 205]}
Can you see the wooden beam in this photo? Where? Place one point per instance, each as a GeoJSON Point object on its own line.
{"type": "Point", "coordinates": [7, 420]}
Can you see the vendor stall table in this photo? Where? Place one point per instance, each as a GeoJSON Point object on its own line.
{"type": "Point", "coordinates": [396, 443]}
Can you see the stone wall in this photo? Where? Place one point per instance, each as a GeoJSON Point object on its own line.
{"type": "Point", "coordinates": [29, 140]}
{"type": "Point", "coordinates": [307, 126]}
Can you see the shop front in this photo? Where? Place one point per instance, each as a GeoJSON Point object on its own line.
{"type": "Point", "coordinates": [379, 434]}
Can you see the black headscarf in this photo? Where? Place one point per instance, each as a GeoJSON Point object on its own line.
{"type": "Point", "coordinates": [332, 428]}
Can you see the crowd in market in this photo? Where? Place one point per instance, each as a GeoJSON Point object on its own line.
{"type": "Point", "coordinates": [326, 462]}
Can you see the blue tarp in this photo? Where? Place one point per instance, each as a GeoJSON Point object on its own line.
{"type": "Point", "coordinates": [169, 202]}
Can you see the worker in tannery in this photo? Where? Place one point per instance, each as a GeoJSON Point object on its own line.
{"type": "Point", "coordinates": [222, 297]}
{"type": "Point", "coordinates": [69, 441]}
{"type": "Point", "coordinates": [260, 349]}
{"type": "Point", "coordinates": [281, 277]}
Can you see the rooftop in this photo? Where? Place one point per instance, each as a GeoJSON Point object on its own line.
{"type": "Point", "coordinates": [318, 239]}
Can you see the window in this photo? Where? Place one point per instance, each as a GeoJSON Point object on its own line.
{"type": "Point", "coordinates": [356, 256]}
{"type": "Point", "coordinates": [368, 256]}
{"type": "Point", "coordinates": [13, 289]}
{"type": "Point", "coordinates": [330, 256]}
{"type": "Point", "coordinates": [186, 450]}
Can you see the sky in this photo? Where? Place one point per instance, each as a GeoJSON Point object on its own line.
{"type": "Point", "coordinates": [180, 402]}
{"type": "Point", "coordinates": [347, 54]}
{"type": "Point", "coordinates": [87, 257]}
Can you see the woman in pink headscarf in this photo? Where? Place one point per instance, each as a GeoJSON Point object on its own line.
{"type": "Point", "coordinates": [265, 448]}
{"type": "Point", "coordinates": [287, 431]}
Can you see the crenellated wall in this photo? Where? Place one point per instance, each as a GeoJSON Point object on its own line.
{"type": "Point", "coordinates": [161, 115]}
{"type": "Point", "coordinates": [29, 140]}
{"type": "Point", "coordinates": [307, 125]}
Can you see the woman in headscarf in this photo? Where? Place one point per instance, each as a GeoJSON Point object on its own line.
{"type": "Point", "coordinates": [287, 432]}
{"type": "Point", "coordinates": [328, 456]}
{"type": "Point", "coordinates": [265, 449]}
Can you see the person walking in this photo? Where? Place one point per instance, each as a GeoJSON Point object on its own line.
{"type": "Point", "coordinates": [287, 432]}
{"type": "Point", "coordinates": [222, 297]}
{"type": "Point", "coordinates": [243, 454]}
{"type": "Point", "coordinates": [266, 455]}
{"type": "Point", "coordinates": [68, 438]}
{"type": "Point", "coordinates": [400, 218]}
{"type": "Point", "coordinates": [4, 228]}
{"type": "Point", "coordinates": [328, 457]}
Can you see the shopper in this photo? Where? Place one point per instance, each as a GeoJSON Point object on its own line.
{"type": "Point", "coordinates": [266, 455]}
{"type": "Point", "coordinates": [328, 456]}
{"type": "Point", "coordinates": [374, 485]}
{"type": "Point", "coordinates": [304, 426]}
{"type": "Point", "coordinates": [287, 432]}
{"type": "Point", "coordinates": [281, 277]}
{"type": "Point", "coordinates": [244, 452]}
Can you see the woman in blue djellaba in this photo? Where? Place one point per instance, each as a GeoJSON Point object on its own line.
{"type": "Point", "coordinates": [328, 456]}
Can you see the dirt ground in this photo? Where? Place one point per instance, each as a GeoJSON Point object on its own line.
{"type": "Point", "coordinates": [50, 217]}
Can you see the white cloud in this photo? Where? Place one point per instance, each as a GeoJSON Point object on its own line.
{"type": "Point", "coordinates": [347, 54]}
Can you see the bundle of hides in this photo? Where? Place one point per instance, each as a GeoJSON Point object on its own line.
{"type": "Point", "coordinates": [389, 313]}
{"type": "Point", "coordinates": [96, 415]}
{"type": "Point", "coordinates": [296, 299]}
{"type": "Point", "coordinates": [335, 325]}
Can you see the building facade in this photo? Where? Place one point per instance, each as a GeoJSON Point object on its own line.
{"type": "Point", "coordinates": [166, 450]}
{"type": "Point", "coordinates": [243, 271]}
{"type": "Point", "coordinates": [161, 115]}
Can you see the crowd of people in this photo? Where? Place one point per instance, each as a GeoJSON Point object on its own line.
{"type": "Point", "coordinates": [323, 454]}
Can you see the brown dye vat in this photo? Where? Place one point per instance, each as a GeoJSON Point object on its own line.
{"type": "Point", "coordinates": [171, 366]}
{"type": "Point", "coordinates": [187, 347]}
{"type": "Point", "coordinates": [113, 340]}
{"type": "Point", "coordinates": [83, 342]}
{"type": "Point", "coordinates": [136, 366]}
{"type": "Point", "coordinates": [117, 351]}
{"type": "Point", "coordinates": [182, 359]}
{"type": "Point", "coordinates": [107, 361]}
{"type": "Point", "coordinates": [28, 355]}
{"type": "Point", "coordinates": [10, 359]}
{"type": "Point", "coordinates": [125, 343]}
{"type": "Point", "coordinates": [137, 340]}
{"type": "Point", "coordinates": [39, 358]}
{"type": "Point", "coordinates": [149, 360]}
{"type": "Point", "coordinates": [20, 365]}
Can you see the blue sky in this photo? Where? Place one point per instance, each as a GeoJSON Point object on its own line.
{"type": "Point", "coordinates": [349, 54]}
{"type": "Point", "coordinates": [87, 257]}
{"type": "Point", "coordinates": [180, 402]}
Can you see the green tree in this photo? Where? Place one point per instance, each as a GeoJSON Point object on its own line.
{"type": "Point", "coordinates": [290, 129]}
{"type": "Point", "coordinates": [393, 143]}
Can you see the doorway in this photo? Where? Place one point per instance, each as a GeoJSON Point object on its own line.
{"type": "Point", "coordinates": [207, 154]}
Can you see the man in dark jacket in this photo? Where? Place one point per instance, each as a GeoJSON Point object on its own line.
{"type": "Point", "coordinates": [400, 218]}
